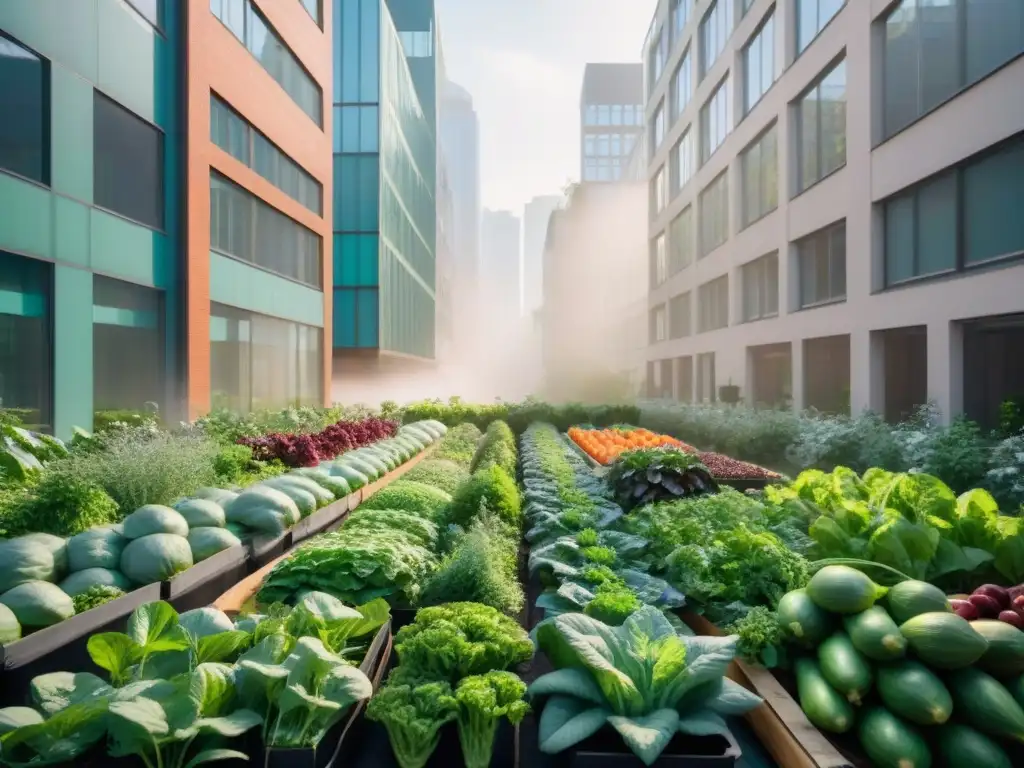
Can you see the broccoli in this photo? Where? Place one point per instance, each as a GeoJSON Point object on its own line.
{"type": "Point", "coordinates": [482, 701]}
{"type": "Point", "coordinates": [413, 715]}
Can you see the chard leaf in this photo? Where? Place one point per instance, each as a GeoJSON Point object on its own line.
{"type": "Point", "coordinates": [212, 755]}
{"type": "Point", "coordinates": [56, 691]}
{"type": "Point", "coordinates": [154, 628]}
{"type": "Point", "coordinates": [702, 724]}
{"type": "Point", "coordinates": [222, 646]}
{"type": "Point", "coordinates": [566, 722]}
{"type": "Point", "coordinates": [570, 681]}
{"type": "Point", "coordinates": [212, 689]}
{"type": "Point", "coordinates": [295, 696]}
{"type": "Point", "coordinates": [114, 652]}
{"type": "Point", "coordinates": [135, 726]}
{"type": "Point", "coordinates": [647, 736]}
{"type": "Point", "coordinates": [228, 726]}
{"type": "Point", "coordinates": [60, 739]}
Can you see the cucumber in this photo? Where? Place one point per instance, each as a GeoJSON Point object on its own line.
{"type": "Point", "coordinates": [822, 704]}
{"type": "Point", "coordinates": [1016, 688]}
{"type": "Point", "coordinates": [844, 668]}
{"type": "Point", "coordinates": [891, 743]}
{"type": "Point", "coordinates": [960, 745]}
{"type": "Point", "coordinates": [1005, 654]}
{"type": "Point", "coordinates": [841, 589]}
{"type": "Point", "coordinates": [983, 702]}
{"type": "Point", "coordinates": [944, 640]}
{"type": "Point", "coordinates": [912, 598]}
{"type": "Point", "coordinates": [909, 689]}
{"type": "Point", "coordinates": [875, 634]}
{"type": "Point", "coordinates": [803, 620]}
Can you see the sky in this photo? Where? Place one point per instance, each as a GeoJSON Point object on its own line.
{"type": "Point", "coordinates": [522, 60]}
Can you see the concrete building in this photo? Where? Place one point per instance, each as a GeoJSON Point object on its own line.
{"type": "Point", "coordinates": [501, 269]}
{"type": "Point", "coordinates": [385, 214]}
{"type": "Point", "coordinates": [536, 215]}
{"type": "Point", "coordinates": [163, 233]}
{"type": "Point", "coordinates": [611, 118]}
{"type": "Point", "coordinates": [835, 198]}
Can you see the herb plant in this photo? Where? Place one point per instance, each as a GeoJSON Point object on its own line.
{"type": "Point", "coordinates": [413, 712]}
{"type": "Point", "coordinates": [95, 596]}
{"type": "Point", "coordinates": [483, 700]}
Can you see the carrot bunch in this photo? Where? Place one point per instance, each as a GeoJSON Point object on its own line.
{"type": "Point", "coordinates": [605, 445]}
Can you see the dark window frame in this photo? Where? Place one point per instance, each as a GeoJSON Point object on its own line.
{"type": "Point", "coordinates": [47, 116]}
{"type": "Point", "coordinates": [824, 233]}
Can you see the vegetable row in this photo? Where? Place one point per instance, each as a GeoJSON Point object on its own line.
{"type": "Point", "coordinates": [47, 579]}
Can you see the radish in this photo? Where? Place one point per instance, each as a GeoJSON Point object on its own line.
{"type": "Point", "coordinates": [1012, 617]}
{"type": "Point", "coordinates": [964, 609]}
{"type": "Point", "coordinates": [988, 607]}
{"type": "Point", "coordinates": [997, 593]}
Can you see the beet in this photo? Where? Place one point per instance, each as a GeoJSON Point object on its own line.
{"type": "Point", "coordinates": [1012, 617]}
{"type": "Point", "coordinates": [997, 593]}
{"type": "Point", "coordinates": [988, 607]}
{"type": "Point", "coordinates": [964, 609]}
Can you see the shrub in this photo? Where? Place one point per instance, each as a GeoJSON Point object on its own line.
{"type": "Point", "coordinates": [410, 496]}
{"type": "Point", "coordinates": [59, 504]}
{"type": "Point", "coordinates": [440, 473]}
{"type": "Point", "coordinates": [492, 489]}
{"type": "Point", "coordinates": [235, 466]}
{"type": "Point", "coordinates": [1005, 477]}
{"type": "Point", "coordinates": [496, 449]}
{"type": "Point", "coordinates": [459, 444]}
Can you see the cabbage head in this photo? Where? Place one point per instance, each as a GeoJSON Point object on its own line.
{"type": "Point", "coordinates": [202, 622]}
{"type": "Point", "coordinates": [38, 603]}
{"type": "Point", "coordinates": [201, 513]}
{"type": "Point", "coordinates": [58, 547]}
{"type": "Point", "coordinates": [80, 581]}
{"type": "Point", "coordinates": [96, 548]}
{"type": "Point", "coordinates": [207, 542]}
{"type": "Point", "coordinates": [10, 629]}
{"type": "Point", "coordinates": [264, 509]}
{"type": "Point", "coordinates": [24, 561]}
{"type": "Point", "coordinates": [156, 557]}
{"type": "Point", "coordinates": [154, 518]}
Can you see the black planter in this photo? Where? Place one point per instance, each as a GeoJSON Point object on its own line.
{"type": "Point", "coordinates": [729, 394]}
{"type": "Point", "coordinates": [340, 743]}
{"type": "Point", "coordinates": [401, 617]}
{"type": "Point", "coordinates": [605, 749]}
{"type": "Point", "coordinates": [748, 483]}
{"type": "Point", "coordinates": [324, 518]}
{"type": "Point", "coordinates": [375, 751]}
{"type": "Point", "coordinates": [263, 549]}
{"type": "Point", "coordinates": [204, 582]}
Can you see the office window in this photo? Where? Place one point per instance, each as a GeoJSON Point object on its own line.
{"type": "Point", "coordinates": [933, 50]}
{"type": "Point", "coordinates": [356, 128]}
{"type": "Point", "coordinates": [761, 288]}
{"type": "Point", "coordinates": [590, 114]}
{"type": "Point", "coordinates": [759, 173]}
{"type": "Point", "coordinates": [682, 162]}
{"type": "Point", "coordinates": [243, 226]}
{"type": "Point", "coordinates": [357, 317]}
{"type": "Point", "coordinates": [127, 345]}
{"type": "Point", "coordinates": [236, 136]}
{"type": "Point", "coordinates": [680, 241]}
{"type": "Point", "coordinates": [680, 316]}
{"type": "Point", "coordinates": [821, 258]}
{"type": "Point", "coordinates": [128, 163]}
{"type": "Point", "coordinates": [659, 326]}
{"type": "Point", "coordinates": [656, 60]}
{"type": "Point", "coordinates": [682, 86]}
{"type": "Point", "coordinates": [713, 305]}
{"type": "Point", "coordinates": [714, 214]}
{"type": "Point", "coordinates": [759, 64]}
{"type": "Point", "coordinates": [357, 193]}
{"type": "Point", "coordinates": [25, 104]}
{"type": "Point", "coordinates": [681, 10]}
{"type": "Point", "coordinates": [616, 114]}
{"type": "Point", "coordinates": [811, 18]}
{"type": "Point", "coordinates": [603, 114]}
{"type": "Point", "coordinates": [254, 32]}
{"type": "Point", "coordinates": [658, 191]}
{"type": "Point", "coordinates": [659, 261]}
{"type": "Point", "coordinates": [313, 9]}
{"type": "Point", "coordinates": [657, 127]}
{"type": "Point", "coordinates": [356, 260]}
{"type": "Point", "coordinates": [26, 347]}
{"type": "Point", "coordinates": [715, 119]}
{"type": "Point", "coordinates": [715, 29]}
{"type": "Point", "coordinates": [628, 117]}
{"type": "Point", "coordinates": [821, 128]}
{"type": "Point", "coordinates": [922, 224]}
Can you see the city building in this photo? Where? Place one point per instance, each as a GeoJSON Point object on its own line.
{"type": "Point", "coordinates": [835, 197]}
{"type": "Point", "coordinates": [445, 278]}
{"type": "Point", "coordinates": [611, 118]}
{"type": "Point", "coordinates": [385, 212]}
{"type": "Point", "coordinates": [163, 230]}
{"type": "Point", "coordinates": [536, 214]}
{"type": "Point", "coordinates": [501, 269]}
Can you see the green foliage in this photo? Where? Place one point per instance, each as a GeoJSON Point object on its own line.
{"type": "Point", "coordinates": [613, 603]}
{"type": "Point", "coordinates": [235, 466]}
{"type": "Point", "coordinates": [96, 596]}
{"type": "Point", "coordinates": [958, 455]}
{"type": "Point", "coordinates": [497, 449]}
{"type": "Point", "coordinates": [440, 473]}
{"type": "Point", "coordinates": [411, 496]}
{"type": "Point", "coordinates": [413, 712]}
{"type": "Point", "coordinates": [1011, 416]}
{"type": "Point", "coordinates": [761, 636]}
{"type": "Point", "coordinates": [647, 475]}
{"type": "Point", "coordinates": [483, 700]}
{"type": "Point", "coordinates": [494, 490]}
{"type": "Point", "coordinates": [459, 445]}
{"type": "Point", "coordinates": [103, 421]}
{"type": "Point", "coordinates": [61, 503]}
{"type": "Point", "coordinates": [228, 427]}
{"type": "Point", "coordinates": [1005, 477]}
{"type": "Point", "coordinates": [519, 416]}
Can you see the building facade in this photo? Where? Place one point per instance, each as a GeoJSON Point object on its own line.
{"type": "Point", "coordinates": [611, 118]}
{"type": "Point", "coordinates": [830, 219]}
{"type": "Point", "coordinates": [536, 215]}
{"type": "Point", "coordinates": [384, 196]}
{"type": "Point", "coordinates": [139, 269]}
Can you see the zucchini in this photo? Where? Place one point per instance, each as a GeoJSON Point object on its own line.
{"type": "Point", "coordinates": [1005, 654]}
{"type": "Point", "coordinates": [803, 620]}
{"type": "Point", "coordinates": [875, 634]}
{"type": "Point", "coordinates": [841, 589]}
{"type": "Point", "coordinates": [844, 668]}
{"type": "Point", "coordinates": [983, 702]}
{"type": "Point", "coordinates": [1016, 688]}
{"type": "Point", "coordinates": [909, 689]}
{"type": "Point", "coordinates": [944, 640]}
{"type": "Point", "coordinates": [912, 598]}
{"type": "Point", "coordinates": [961, 745]}
{"type": "Point", "coordinates": [822, 704]}
{"type": "Point", "coordinates": [891, 743]}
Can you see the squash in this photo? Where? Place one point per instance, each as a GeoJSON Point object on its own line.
{"type": "Point", "coordinates": [875, 634]}
{"type": "Point", "coordinates": [808, 624]}
{"type": "Point", "coordinates": [1005, 654]}
{"type": "Point", "coordinates": [350, 475]}
{"type": "Point", "coordinates": [891, 743]}
{"type": "Point", "coordinates": [912, 691]}
{"type": "Point", "coordinates": [844, 668]}
{"type": "Point", "coordinates": [961, 745]}
{"type": "Point", "coordinates": [983, 702]}
{"type": "Point", "coordinates": [912, 598]}
{"type": "Point", "coordinates": [822, 704]}
{"type": "Point", "coordinates": [841, 589]}
{"type": "Point", "coordinates": [944, 640]}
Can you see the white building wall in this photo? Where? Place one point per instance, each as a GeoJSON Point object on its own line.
{"type": "Point", "coordinates": [982, 115]}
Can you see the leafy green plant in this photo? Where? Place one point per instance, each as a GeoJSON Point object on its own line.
{"type": "Point", "coordinates": [1005, 476]}
{"type": "Point", "coordinates": [459, 445]}
{"type": "Point", "coordinates": [496, 449]}
{"type": "Point", "coordinates": [608, 548]}
{"type": "Point", "coordinates": [762, 639]}
{"type": "Point", "coordinates": [442, 474]}
{"type": "Point", "coordinates": [603, 677]}
{"type": "Point", "coordinates": [413, 712]}
{"type": "Point", "coordinates": [612, 604]}
{"type": "Point", "coordinates": [96, 596]}
{"type": "Point", "coordinates": [492, 489]}
{"type": "Point", "coordinates": [411, 496]}
{"type": "Point", "coordinates": [483, 700]}
{"type": "Point", "coordinates": [62, 504]}
{"type": "Point", "coordinates": [653, 474]}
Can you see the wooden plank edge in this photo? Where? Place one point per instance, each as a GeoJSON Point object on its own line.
{"type": "Point", "coordinates": [779, 723]}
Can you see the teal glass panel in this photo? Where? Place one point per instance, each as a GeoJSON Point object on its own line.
{"type": "Point", "coordinates": [368, 118]}
{"type": "Point", "coordinates": [346, 27]}
{"type": "Point", "coordinates": [993, 189]}
{"type": "Point", "coordinates": [25, 347]}
{"type": "Point", "coordinates": [356, 192]}
{"type": "Point", "coordinates": [368, 260]}
{"type": "Point", "coordinates": [369, 76]}
{"type": "Point", "coordinates": [344, 317]}
{"type": "Point", "coordinates": [369, 191]}
{"type": "Point", "coordinates": [366, 318]}
{"type": "Point", "coordinates": [355, 128]}
{"type": "Point", "coordinates": [355, 260]}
